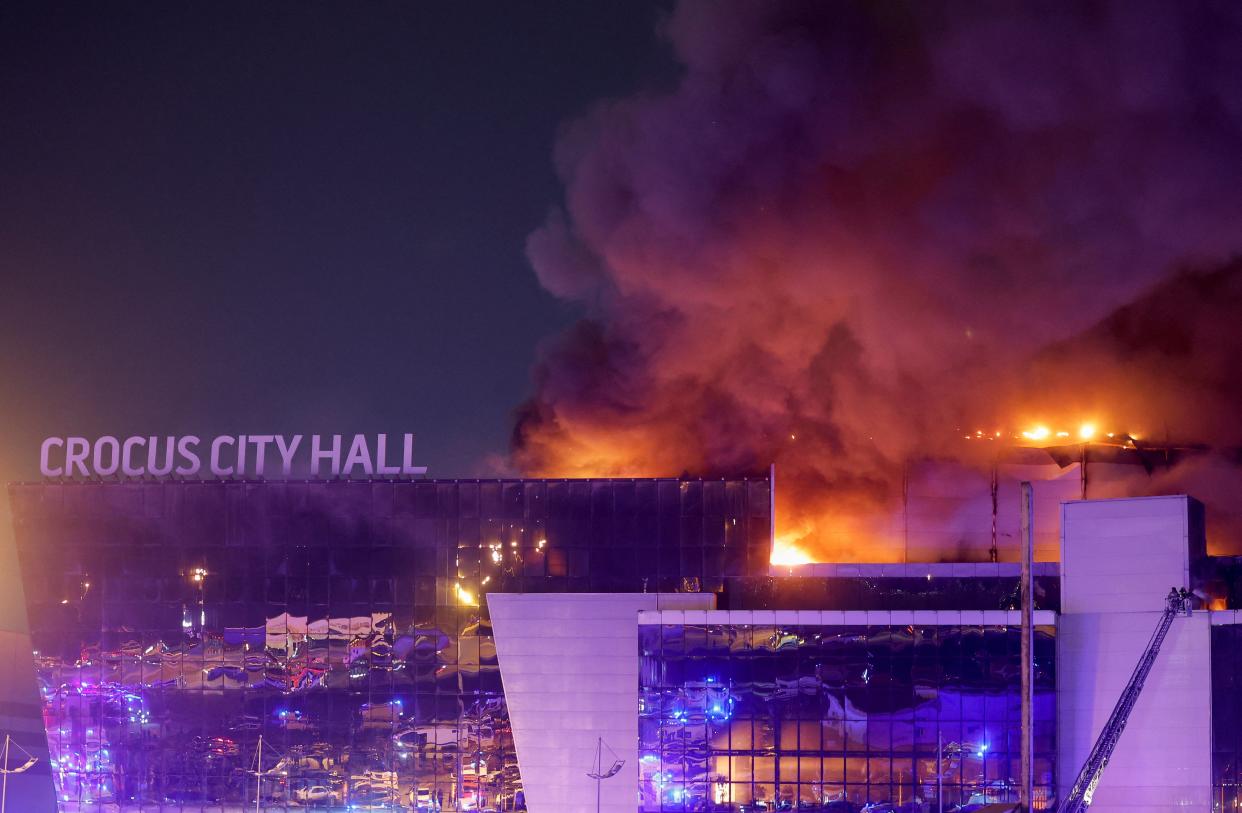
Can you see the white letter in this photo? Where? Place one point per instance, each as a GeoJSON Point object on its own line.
{"type": "Point", "coordinates": [333, 454]}
{"type": "Point", "coordinates": [185, 447]}
{"type": "Point", "coordinates": [216, 468]}
{"type": "Point", "coordinates": [287, 452]}
{"type": "Point", "coordinates": [260, 452]}
{"type": "Point", "coordinates": [152, 451]}
{"type": "Point", "coordinates": [44, 467]}
{"type": "Point", "coordinates": [407, 462]}
{"type": "Point", "coordinates": [380, 454]}
{"type": "Point", "coordinates": [114, 463]}
{"type": "Point", "coordinates": [127, 456]}
{"type": "Point", "coordinates": [358, 453]}
{"type": "Point", "coordinates": [76, 451]}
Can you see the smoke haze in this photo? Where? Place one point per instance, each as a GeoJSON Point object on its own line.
{"type": "Point", "coordinates": [852, 233]}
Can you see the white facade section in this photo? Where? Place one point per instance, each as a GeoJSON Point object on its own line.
{"type": "Point", "coordinates": [912, 570]}
{"type": "Point", "coordinates": [1124, 555]}
{"type": "Point", "coordinates": [1163, 761]}
{"type": "Point", "coordinates": [1119, 559]}
{"type": "Point", "coordinates": [847, 618]}
{"type": "Point", "coordinates": [1226, 618]}
{"type": "Point", "coordinates": [569, 664]}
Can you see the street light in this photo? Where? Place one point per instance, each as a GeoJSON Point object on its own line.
{"type": "Point", "coordinates": [599, 774]}
{"type": "Point", "coordinates": [6, 770]}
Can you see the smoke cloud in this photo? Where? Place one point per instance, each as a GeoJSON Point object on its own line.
{"type": "Point", "coordinates": [852, 233]}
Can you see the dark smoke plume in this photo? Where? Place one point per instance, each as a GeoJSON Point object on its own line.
{"type": "Point", "coordinates": [853, 230]}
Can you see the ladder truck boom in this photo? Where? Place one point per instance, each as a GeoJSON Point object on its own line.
{"type": "Point", "coordinates": [1083, 789]}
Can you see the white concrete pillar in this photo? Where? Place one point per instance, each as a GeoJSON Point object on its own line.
{"type": "Point", "coordinates": [569, 664]}
{"type": "Point", "coordinates": [1118, 560]}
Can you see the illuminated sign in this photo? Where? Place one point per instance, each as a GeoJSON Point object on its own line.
{"type": "Point", "coordinates": [227, 456]}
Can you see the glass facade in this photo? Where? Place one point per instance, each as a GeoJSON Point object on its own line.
{"type": "Point", "coordinates": [1226, 717]}
{"type": "Point", "coordinates": [887, 593]}
{"type": "Point", "coordinates": [751, 718]}
{"type": "Point", "coordinates": [201, 644]}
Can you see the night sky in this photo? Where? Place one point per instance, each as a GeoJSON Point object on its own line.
{"type": "Point", "coordinates": [832, 237]}
{"type": "Point", "coordinates": [288, 217]}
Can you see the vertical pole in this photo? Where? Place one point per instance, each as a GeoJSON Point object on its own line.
{"type": "Point", "coordinates": [939, 769]}
{"type": "Point", "coordinates": [4, 794]}
{"type": "Point", "coordinates": [771, 509]}
{"type": "Point", "coordinates": [905, 510]}
{"type": "Point", "coordinates": [1082, 474]}
{"type": "Point", "coordinates": [1025, 792]}
{"type": "Point", "coordinates": [258, 775]}
{"type": "Point", "coordinates": [993, 552]}
{"type": "Point", "coordinates": [599, 774]}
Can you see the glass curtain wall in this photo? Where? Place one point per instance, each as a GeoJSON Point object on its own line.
{"type": "Point", "coordinates": [813, 718]}
{"type": "Point", "coordinates": [207, 644]}
{"type": "Point", "coordinates": [1226, 717]}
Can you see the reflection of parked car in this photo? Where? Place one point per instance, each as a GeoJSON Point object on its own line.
{"type": "Point", "coordinates": [293, 720]}
{"type": "Point", "coordinates": [231, 672]}
{"type": "Point", "coordinates": [247, 723]}
{"type": "Point", "coordinates": [408, 738]}
{"type": "Point", "coordinates": [187, 795]}
{"type": "Point", "coordinates": [423, 802]}
{"type": "Point", "coordinates": [216, 746]}
{"type": "Point", "coordinates": [321, 794]}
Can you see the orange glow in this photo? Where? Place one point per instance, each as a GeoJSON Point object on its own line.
{"type": "Point", "coordinates": [786, 554]}
{"type": "Point", "coordinates": [1087, 431]}
{"type": "Point", "coordinates": [823, 512]}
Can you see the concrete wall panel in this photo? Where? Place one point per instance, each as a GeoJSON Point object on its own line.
{"type": "Point", "coordinates": [569, 664]}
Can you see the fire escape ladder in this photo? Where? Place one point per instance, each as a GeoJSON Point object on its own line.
{"type": "Point", "coordinates": [1080, 795]}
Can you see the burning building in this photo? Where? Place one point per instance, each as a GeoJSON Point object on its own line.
{"type": "Point", "coordinates": [462, 645]}
{"type": "Point", "coordinates": [848, 235]}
